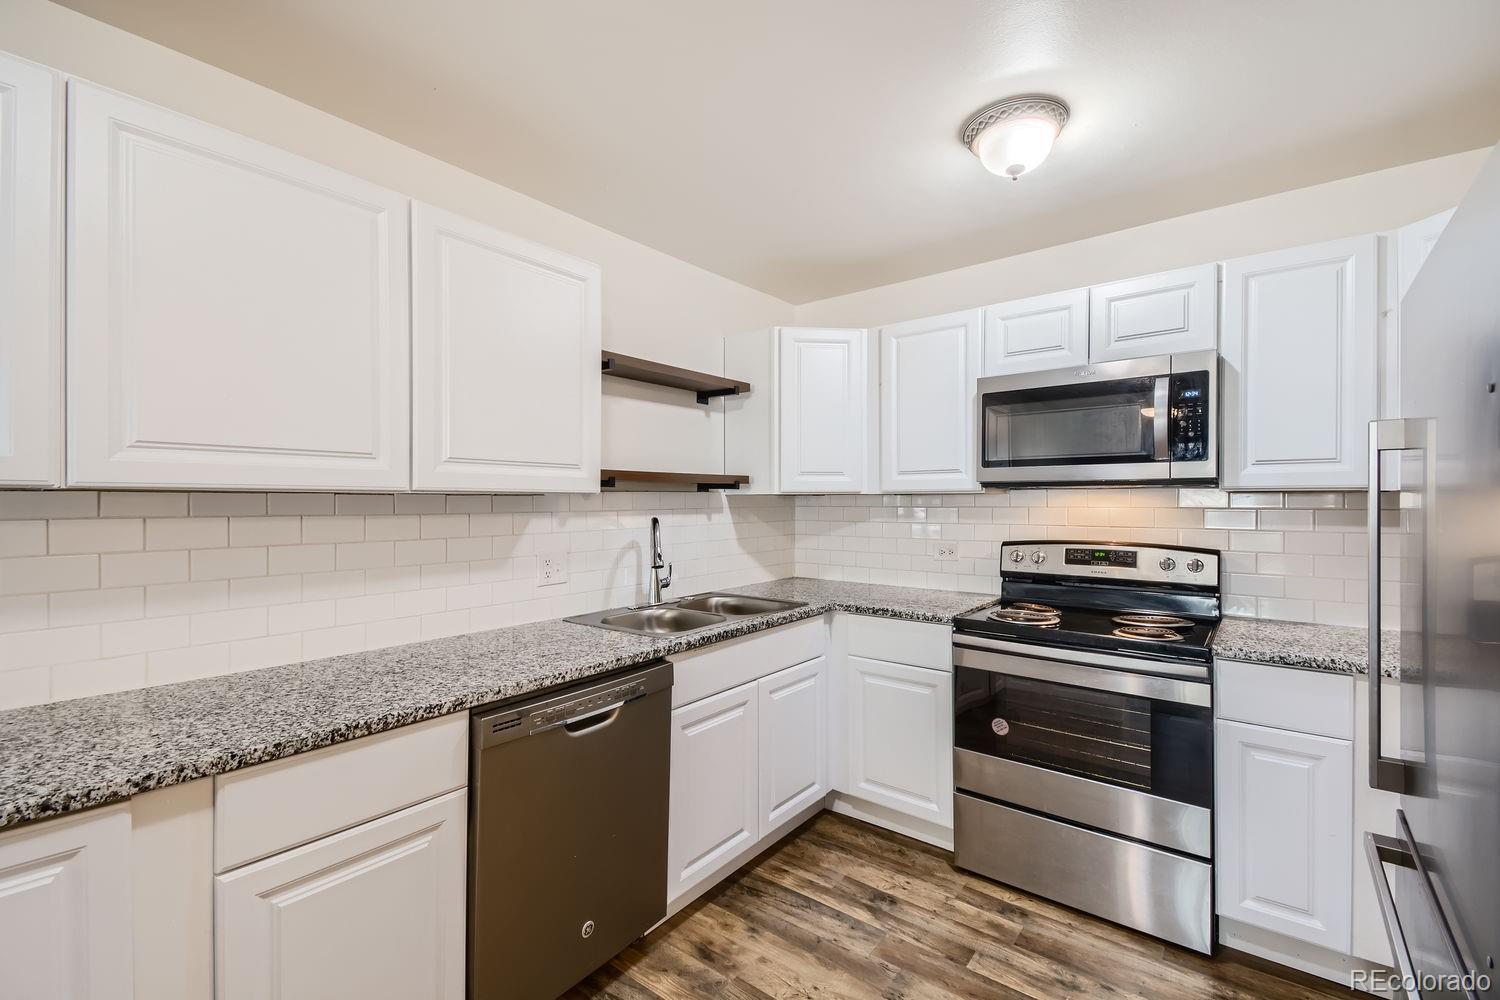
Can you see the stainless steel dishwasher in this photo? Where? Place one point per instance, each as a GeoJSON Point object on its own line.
{"type": "Point", "coordinates": [567, 832]}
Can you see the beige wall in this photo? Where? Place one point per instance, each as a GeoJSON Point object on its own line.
{"type": "Point", "coordinates": [654, 305]}
{"type": "Point", "coordinates": [1363, 204]}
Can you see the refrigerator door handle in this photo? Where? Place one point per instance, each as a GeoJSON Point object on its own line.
{"type": "Point", "coordinates": [1388, 773]}
{"type": "Point", "coordinates": [1381, 850]}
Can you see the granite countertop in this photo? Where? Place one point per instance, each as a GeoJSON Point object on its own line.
{"type": "Point", "coordinates": [70, 755]}
{"type": "Point", "coordinates": [1334, 648]}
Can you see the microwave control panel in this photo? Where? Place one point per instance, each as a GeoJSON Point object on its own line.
{"type": "Point", "coordinates": [1187, 433]}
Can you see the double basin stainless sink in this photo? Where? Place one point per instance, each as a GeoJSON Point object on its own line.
{"type": "Point", "coordinates": [686, 615]}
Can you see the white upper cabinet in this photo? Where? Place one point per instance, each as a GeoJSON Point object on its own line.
{"type": "Point", "coordinates": [30, 275]}
{"type": "Point", "coordinates": [1300, 346]}
{"type": "Point", "coordinates": [237, 315]}
{"type": "Point", "coordinates": [65, 909]}
{"type": "Point", "coordinates": [928, 369]}
{"type": "Point", "coordinates": [1413, 243]}
{"type": "Point", "coordinates": [1156, 314]}
{"type": "Point", "coordinates": [505, 361]}
{"type": "Point", "coordinates": [1035, 334]}
{"type": "Point", "coordinates": [824, 418]}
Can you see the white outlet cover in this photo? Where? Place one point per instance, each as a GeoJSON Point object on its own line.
{"type": "Point", "coordinates": [551, 571]}
{"type": "Point", "coordinates": [947, 552]}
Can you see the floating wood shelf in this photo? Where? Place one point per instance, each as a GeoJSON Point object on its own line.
{"type": "Point", "coordinates": [640, 370]}
{"type": "Point", "coordinates": [705, 481]}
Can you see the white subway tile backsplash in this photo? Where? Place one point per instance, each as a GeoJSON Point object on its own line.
{"type": "Point", "coordinates": [300, 504]}
{"type": "Point", "coordinates": [140, 568]}
{"type": "Point", "coordinates": [164, 599]}
{"type": "Point", "coordinates": [420, 503]}
{"type": "Point", "coordinates": [23, 538]}
{"type": "Point", "coordinates": [333, 529]}
{"type": "Point", "coordinates": [169, 666]}
{"type": "Point", "coordinates": [1239, 519]}
{"type": "Point", "coordinates": [46, 505]}
{"type": "Point", "coordinates": [76, 536]}
{"type": "Point", "coordinates": [364, 503]}
{"type": "Point", "coordinates": [48, 647]}
{"type": "Point", "coordinates": [90, 677]}
{"type": "Point", "coordinates": [44, 574]}
{"type": "Point", "coordinates": [227, 564]}
{"type": "Point", "coordinates": [187, 533]}
{"type": "Point", "coordinates": [1256, 500]}
{"type": "Point", "coordinates": [265, 531]}
{"type": "Point", "coordinates": [226, 504]}
{"type": "Point", "coordinates": [85, 607]}
{"type": "Point", "coordinates": [143, 636]}
{"type": "Point", "coordinates": [143, 504]}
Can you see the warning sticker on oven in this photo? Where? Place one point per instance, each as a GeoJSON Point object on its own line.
{"type": "Point", "coordinates": [1000, 726]}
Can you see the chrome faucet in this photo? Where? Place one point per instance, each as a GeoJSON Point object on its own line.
{"type": "Point", "coordinates": [658, 582]}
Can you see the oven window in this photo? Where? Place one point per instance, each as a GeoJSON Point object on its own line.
{"type": "Point", "coordinates": [1159, 747]}
{"type": "Point", "coordinates": [1094, 423]}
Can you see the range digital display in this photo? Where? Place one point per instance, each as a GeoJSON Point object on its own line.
{"type": "Point", "coordinates": [1099, 557]}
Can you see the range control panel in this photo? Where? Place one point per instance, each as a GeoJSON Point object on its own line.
{"type": "Point", "coordinates": [1148, 563]}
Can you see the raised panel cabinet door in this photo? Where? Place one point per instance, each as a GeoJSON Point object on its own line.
{"type": "Point", "coordinates": [715, 796]}
{"type": "Point", "coordinates": [793, 741]}
{"type": "Point", "coordinates": [376, 912]}
{"type": "Point", "coordinates": [928, 372]}
{"type": "Point", "coordinates": [237, 315]}
{"type": "Point", "coordinates": [900, 731]}
{"type": "Point", "coordinates": [30, 274]}
{"type": "Point", "coordinates": [824, 420]}
{"type": "Point", "coordinates": [1285, 822]}
{"type": "Point", "coordinates": [65, 909]}
{"type": "Point", "coordinates": [1300, 348]}
{"type": "Point", "coordinates": [1037, 334]}
{"type": "Point", "coordinates": [1166, 313]}
{"type": "Point", "coordinates": [505, 361]}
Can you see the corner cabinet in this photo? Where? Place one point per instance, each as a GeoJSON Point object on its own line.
{"type": "Point", "coordinates": [1298, 381]}
{"type": "Point", "coordinates": [237, 315]}
{"type": "Point", "coordinates": [1036, 334]}
{"type": "Point", "coordinates": [505, 361]}
{"type": "Point", "coordinates": [30, 274]}
{"type": "Point", "coordinates": [1168, 313]}
{"type": "Point", "coordinates": [928, 370]}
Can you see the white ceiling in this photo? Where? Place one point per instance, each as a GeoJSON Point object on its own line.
{"type": "Point", "coordinates": [808, 147]}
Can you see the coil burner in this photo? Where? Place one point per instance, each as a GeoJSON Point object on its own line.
{"type": "Point", "coordinates": [1147, 633]}
{"type": "Point", "coordinates": [1036, 615]}
{"type": "Point", "coordinates": [1151, 620]}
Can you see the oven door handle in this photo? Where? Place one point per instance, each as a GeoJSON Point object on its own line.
{"type": "Point", "coordinates": [1161, 419]}
{"type": "Point", "coordinates": [1182, 692]}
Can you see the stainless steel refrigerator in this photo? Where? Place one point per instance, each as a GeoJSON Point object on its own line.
{"type": "Point", "coordinates": [1438, 879]}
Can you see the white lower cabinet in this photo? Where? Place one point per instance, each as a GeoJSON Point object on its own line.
{"type": "Point", "coordinates": [900, 737]}
{"type": "Point", "coordinates": [793, 743]}
{"type": "Point", "coordinates": [65, 909]}
{"type": "Point", "coordinates": [1284, 803]}
{"type": "Point", "coordinates": [715, 791]}
{"type": "Point", "coordinates": [376, 911]}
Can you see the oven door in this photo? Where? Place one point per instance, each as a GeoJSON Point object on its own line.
{"type": "Point", "coordinates": [1112, 749]}
{"type": "Point", "coordinates": [1101, 424]}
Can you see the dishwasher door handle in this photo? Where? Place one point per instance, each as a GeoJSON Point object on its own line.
{"type": "Point", "coordinates": [592, 722]}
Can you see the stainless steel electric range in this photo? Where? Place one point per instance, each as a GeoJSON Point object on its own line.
{"type": "Point", "coordinates": [1083, 732]}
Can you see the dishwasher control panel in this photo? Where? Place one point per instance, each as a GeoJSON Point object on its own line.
{"type": "Point", "coordinates": [508, 723]}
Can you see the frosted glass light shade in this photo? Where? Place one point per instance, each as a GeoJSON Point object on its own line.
{"type": "Point", "coordinates": [1015, 146]}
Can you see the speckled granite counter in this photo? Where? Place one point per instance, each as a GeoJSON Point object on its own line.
{"type": "Point", "coordinates": [1334, 648]}
{"type": "Point", "coordinates": [71, 755]}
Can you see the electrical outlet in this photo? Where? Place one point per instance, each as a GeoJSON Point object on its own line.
{"type": "Point", "coordinates": [551, 570]}
{"type": "Point", "coordinates": [947, 551]}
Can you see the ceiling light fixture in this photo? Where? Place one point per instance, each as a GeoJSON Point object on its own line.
{"type": "Point", "coordinates": [1014, 137]}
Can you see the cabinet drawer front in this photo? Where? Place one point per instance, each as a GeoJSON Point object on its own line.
{"type": "Point", "coordinates": [271, 807]}
{"type": "Point", "coordinates": [376, 911]}
{"type": "Point", "coordinates": [725, 665]}
{"type": "Point", "coordinates": [919, 644]}
{"type": "Point", "coordinates": [1301, 701]}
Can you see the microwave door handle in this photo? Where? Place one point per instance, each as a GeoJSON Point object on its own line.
{"type": "Point", "coordinates": [1388, 773]}
{"type": "Point", "coordinates": [1162, 419]}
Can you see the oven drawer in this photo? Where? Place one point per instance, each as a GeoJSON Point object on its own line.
{"type": "Point", "coordinates": [1138, 815]}
{"type": "Point", "coordinates": [1155, 891]}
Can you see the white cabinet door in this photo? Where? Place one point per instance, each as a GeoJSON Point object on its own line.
{"type": "Point", "coordinates": [928, 370]}
{"type": "Point", "coordinates": [237, 315]}
{"type": "Point", "coordinates": [715, 796]}
{"type": "Point", "coordinates": [1284, 814]}
{"type": "Point", "coordinates": [1299, 373]}
{"type": "Point", "coordinates": [30, 274]}
{"type": "Point", "coordinates": [1156, 314]}
{"type": "Point", "coordinates": [505, 361]}
{"type": "Point", "coordinates": [793, 741]}
{"type": "Point", "coordinates": [65, 909]}
{"type": "Point", "coordinates": [900, 731]}
{"type": "Point", "coordinates": [1035, 334]}
{"type": "Point", "coordinates": [825, 422]}
{"type": "Point", "coordinates": [1413, 243]}
{"type": "Point", "coordinates": [377, 911]}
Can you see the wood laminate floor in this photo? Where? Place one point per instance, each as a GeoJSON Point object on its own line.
{"type": "Point", "coordinates": [843, 910]}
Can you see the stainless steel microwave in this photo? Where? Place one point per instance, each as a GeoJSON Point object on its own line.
{"type": "Point", "coordinates": [1146, 420]}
